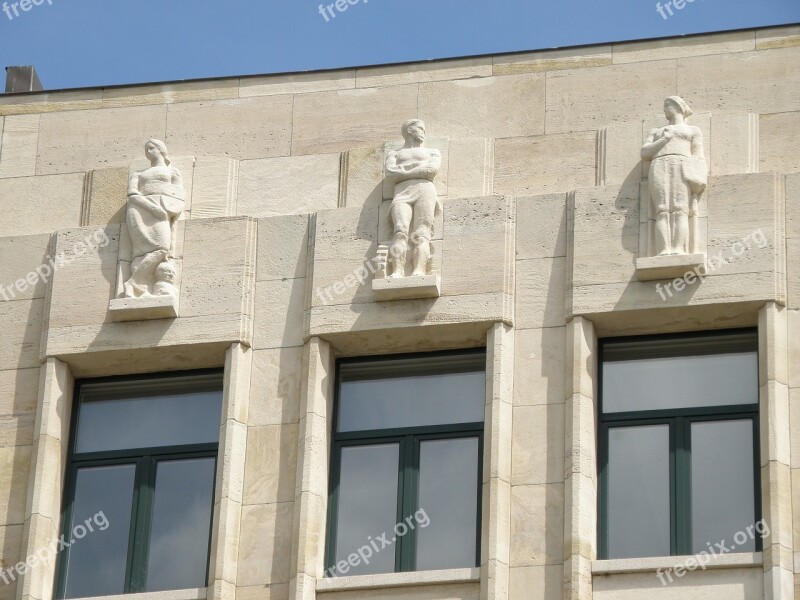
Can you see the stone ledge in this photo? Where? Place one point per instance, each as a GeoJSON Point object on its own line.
{"type": "Point", "coordinates": [390, 580]}
{"type": "Point", "coordinates": [146, 307]}
{"type": "Point", "coordinates": [668, 267]}
{"type": "Point", "coordinates": [653, 564]}
{"type": "Point", "coordinates": [407, 288]}
{"type": "Point", "coordinates": [187, 594]}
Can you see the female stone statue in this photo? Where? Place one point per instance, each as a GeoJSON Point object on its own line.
{"type": "Point", "coordinates": [155, 201]}
{"type": "Point", "coordinates": [678, 176]}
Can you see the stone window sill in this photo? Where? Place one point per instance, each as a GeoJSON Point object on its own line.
{"type": "Point", "coordinates": [188, 594]}
{"type": "Point", "coordinates": [391, 580]}
{"type": "Point", "coordinates": [652, 564]}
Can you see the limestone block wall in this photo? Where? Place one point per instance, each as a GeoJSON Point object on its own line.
{"type": "Point", "coordinates": [536, 244]}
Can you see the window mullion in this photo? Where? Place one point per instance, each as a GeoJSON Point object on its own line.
{"type": "Point", "coordinates": [683, 484]}
{"type": "Point", "coordinates": [407, 498]}
{"type": "Point", "coordinates": [140, 525]}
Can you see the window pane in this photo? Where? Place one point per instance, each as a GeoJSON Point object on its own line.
{"type": "Point", "coordinates": [408, 393]}
{"type": "Point", "coordinates": [148, 414]}
{"type": "Point", "coordinates": [181, 525]}
{"type": "Point", "coordinates": [448, 501]}
{"type": "Point", "coordinates": [723, 498]}
{"type": "Point", "coordinates": [638, 492]}
{"type": "Point", "coordinates": [367, 505]}
{"type": "Point", "coordinates": [680, 382]}
{"type": "Point", "coordinates": [97, 562]}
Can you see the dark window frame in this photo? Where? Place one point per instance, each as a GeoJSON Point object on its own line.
{"type": "Point", "coordinates": [408, 439]}
{"type": "Point", "coordinates": [145, 461]}
{"type": "Point", "coordinates": [679, 421]}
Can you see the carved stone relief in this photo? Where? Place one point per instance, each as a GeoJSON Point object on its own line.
{"type": "Point", "coordinates": [147, 271]}
{"type": "Point", "coordinates": [404, 266]}
{"type": "Point", "coordinates": [677, 178]}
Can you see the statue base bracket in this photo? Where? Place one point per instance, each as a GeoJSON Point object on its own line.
{"type": "Point", "coordinates": [406, 288]}
{"type": "Point", "coordinates": [669, 266]}
{"type": "Point", "coordinates": [143, 308]}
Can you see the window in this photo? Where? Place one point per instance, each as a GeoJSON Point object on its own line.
{"type": "Point", "coordinates": [140, 484]}
{"type": "Point", "coordinates": [406, 464]}
{"type": "Point", "coordinates": [678, 444]}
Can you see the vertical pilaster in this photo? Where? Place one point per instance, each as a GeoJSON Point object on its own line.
{"type": "Point", "coordinates": [496, 524]}
{"type": "Point", "coordinates": [45, 482]}
{"type": "Point", "coordinates": [311, 492]}
{"type": "Point", "coordinates": [230, 473]}
{"type": "Point", "coordinates": [776, 481]}
{"type": "Point", "coordinates": [580, 484]}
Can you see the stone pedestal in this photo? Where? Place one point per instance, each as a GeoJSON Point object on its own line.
{"type": "Point", "coordinates": [147, 307]}
{"type": "Point", "coordinates": [669, 266]}
{"type": "Point", "coordinates": [405, 288]}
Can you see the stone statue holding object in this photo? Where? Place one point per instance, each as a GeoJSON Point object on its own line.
{"type": "Point", "coordinates": [412, 169]}
{"type": "Point", "coordinates": [156, 199]}
{"type": "Point", "coordinates": [677, 179]}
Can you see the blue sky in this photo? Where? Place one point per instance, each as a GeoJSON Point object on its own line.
{"type": "Point", "coordinates": [80, 43]}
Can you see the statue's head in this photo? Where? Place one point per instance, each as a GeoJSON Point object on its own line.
{"type": "Point", "coordinates": [165, 272]}
{"type": "Point", "coordinates": [154, 148]}
{"type": "Point", "coordinates": [413, 130]}
{"type": "Point", "coordinates": [675, 105]}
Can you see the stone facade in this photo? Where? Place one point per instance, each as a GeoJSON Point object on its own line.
{"type": "Point", "coordinates": [536, 244]}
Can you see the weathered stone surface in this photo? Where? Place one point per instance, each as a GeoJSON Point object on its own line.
{"type": "Point", "coordinates": [734, 146]}
{"type": "Point", "coordinates": [539, 367]}
{"type": "Point", "coordinates": [288, 185]}
{"type": "Point", "coordinates": [15, 462]}
{"type": "Point", "coordinates": [630, 92]}
{"type": "Point", "coordinates": [544, 164]}
{"type": "Point", "coordinates": [117, 135]}
{"type": "Point", "coordinates": [777, 133]}
{"type": "Point", "coordinates": [22, 330]}
{"type": "Point", "coordinates": [362, 176]}
{"type": "Point", "coordinates": [105, 196]}
{"type": "Point", "coordinates": [468, 108]}
{"type": "Point", "coordinates": [538, 525]}
{"type": "Point", "coordinates": [275, 386]}
{"type": "Point", "coordinates": [300, 83]}
{"type": "Point", "coordinates": [214, 182]}
{"type": "Point", "coordinates": [242, 128]}
{"type": "Point", "coordinates": [19, 144]}
{"type": "Point", "coordinates": [736, 584]}
{"type": "Point", "coordinates": [541, 286]}
{"type": "Point", "coordinates": [541, 226]}
{"type": "Point", "coordinates": [336, 121]}
{"type": "Point", "coordinates": [21, 256]}
{"type": "Point", "coordinates": [282, 247]}
{"type": "Point", "coordinates": [423, 72]}
{"type": "Point", "coordinates": [552, 60]}
{"type": "Point", "coordinates": [170, 93]}
{"type": "Point", "coordinates": [538, 444]}
{"type": "Point", "coordinates": [777, 37]}
{"type": "Point", "coordinates": [261, 563]}
{"type": "Point", "coordinates": [279, 313]}
{"type": "Point", "coordinates": [271, 464]}
{"type": "Point", "coordinates": [724, 43]}
{"type": "Point", "coordinates": [536, 583]}
{"type": "Point", "coordinates": [471, 168]}
{"type": "Point", "coordinates": [18, 396]}
{"type": "Point", "coordinates": [759, 82]}
{"type": "Point", "coordinates": [41, 204]}
{"type": "Point", "coordinates": [14, 104]}
{"type": "Point", "coordinates": [619, 155]}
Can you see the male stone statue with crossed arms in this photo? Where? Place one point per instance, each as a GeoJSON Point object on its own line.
{"type": "Point", "coordinates": [413, 208]}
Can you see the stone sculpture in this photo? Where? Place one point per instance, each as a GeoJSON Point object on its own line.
{"type": "Point", "coordinates": [156, 198]}
{"type": "Point", "coordinates": [415, 202]}
{"type": "Point", "coordinates": [677, 179]}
